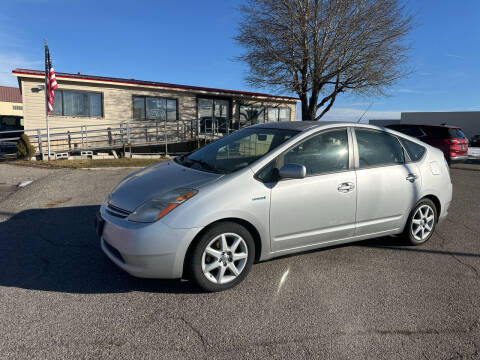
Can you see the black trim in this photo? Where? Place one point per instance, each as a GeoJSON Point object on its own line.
{"type": "Point", "coordinates": [116, 211]}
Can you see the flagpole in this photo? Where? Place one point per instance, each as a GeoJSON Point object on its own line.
{"type": "Point", "coordinates": [46, 101]}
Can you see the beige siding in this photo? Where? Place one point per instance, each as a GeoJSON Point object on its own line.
{"type": "Point", "coordinates": [118, 103]}
{"type": "Point", "coordinates": [6, 108]}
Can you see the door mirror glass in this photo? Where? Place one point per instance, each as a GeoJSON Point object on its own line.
{"type": "Point", "coordinates": [292, 171]}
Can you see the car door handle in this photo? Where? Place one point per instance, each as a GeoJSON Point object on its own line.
{"type": "Point", "coordinates": [346, 187]}
{"type": "Point", "coordinates": [411, 177]}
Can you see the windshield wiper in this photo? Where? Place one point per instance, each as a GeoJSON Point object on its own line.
{"type": "Point", "coordinates": [205, 165]}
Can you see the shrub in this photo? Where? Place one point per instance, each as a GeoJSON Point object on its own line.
{"type": "Point", "coordinates": [24, 148]}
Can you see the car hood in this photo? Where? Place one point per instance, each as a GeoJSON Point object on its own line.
{"type": "Point", "coordinates": [156, 180]}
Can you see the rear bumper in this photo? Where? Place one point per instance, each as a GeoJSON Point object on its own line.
{"type": "Point", "coordinates": [445, 200]}
{"type": "Point", "coordinates": [444, 213]}
{"type": "Point", "coordinates": [457, 159]}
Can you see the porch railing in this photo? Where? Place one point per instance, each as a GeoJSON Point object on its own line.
{"type": "Point", "coordinates": [115, 135]}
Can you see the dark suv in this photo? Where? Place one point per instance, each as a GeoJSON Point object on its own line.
{"type": "Point", "coordinates": [450, 139]}
{"type": "Point", "coordinates": [475, 141]}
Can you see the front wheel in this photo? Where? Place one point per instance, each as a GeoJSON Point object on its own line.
{"type": "Point", "coordinates": [421, 222]}
{"type": "Point", "coordinates": [222, 257]}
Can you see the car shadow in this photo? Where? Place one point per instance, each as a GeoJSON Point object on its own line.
{"type": "Point", "coordinates": [56, 249]}
{"type": "Point", "coordinates": [473, 161]}
{"type": "Point", "coordinates": [391, 242]}
{"type": "Point", "coordinates": [398, 244]}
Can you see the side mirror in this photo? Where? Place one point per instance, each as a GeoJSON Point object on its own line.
{"type": "Point", "coordinates": [292, 171]}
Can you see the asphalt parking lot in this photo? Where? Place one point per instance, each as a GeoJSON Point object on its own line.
{"type": "Point", "coordinates": [60, 297]}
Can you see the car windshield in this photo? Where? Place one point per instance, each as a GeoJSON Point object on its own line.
{"type": "Point", "coordinates": [236, 151]}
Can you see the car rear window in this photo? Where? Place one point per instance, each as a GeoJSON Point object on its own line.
{"type": "Point", "coordinates": [414, 150]}
{"type": "Point", "coordinates": [414, 131]}
{"type": "Point", "coordinates": [438, 132]}
{"type": "Point", "coordinates": [456, 133]}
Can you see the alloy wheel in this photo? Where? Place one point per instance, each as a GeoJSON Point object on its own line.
{"type": "Point", "coordinates": [423, 222]}
{"type": "Point", "coordinates": [224, 258]}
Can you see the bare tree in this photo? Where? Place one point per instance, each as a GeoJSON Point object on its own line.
{"type": "Point", "coordinates": [321, 48]}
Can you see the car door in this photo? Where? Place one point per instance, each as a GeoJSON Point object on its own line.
{"type": "Point", "coordinates": [320, 207]}
{"type": "Point", "coordinates": [387, 186]}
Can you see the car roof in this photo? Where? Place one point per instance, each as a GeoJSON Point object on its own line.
{"type": "Point", "coordinates": [309, 125]}
{"type": "Point", "coordinates": [423, 125]}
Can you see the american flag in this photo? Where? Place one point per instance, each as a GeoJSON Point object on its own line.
{"type": "Point", "coordinates": [51, 81]}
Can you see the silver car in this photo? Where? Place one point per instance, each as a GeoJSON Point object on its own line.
{"type": "Point", "coordinates": [270, 190]}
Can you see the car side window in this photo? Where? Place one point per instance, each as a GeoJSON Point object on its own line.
{"type": "Point", "coordinates": [415, 151]}
{"type": "Point", "coordinates": [377, 148]}
{"type": "Point", "coordinates": [323, 153]}
{"type": "Point", "coordinates": [268, 173]}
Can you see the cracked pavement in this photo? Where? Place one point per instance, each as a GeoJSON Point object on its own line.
{"type": "Point", "coordinates": [60, 297]}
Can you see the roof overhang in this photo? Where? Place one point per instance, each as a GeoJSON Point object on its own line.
{"type": "Point", "coordinates": [90, 79]}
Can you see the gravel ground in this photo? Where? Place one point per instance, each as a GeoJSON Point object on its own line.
{"type": "Point", "coordinates": [60, 297]}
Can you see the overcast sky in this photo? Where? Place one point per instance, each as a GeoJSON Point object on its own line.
{"type": "Point", "coordinates": [190, 42]}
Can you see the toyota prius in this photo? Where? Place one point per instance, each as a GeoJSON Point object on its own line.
{"type": "Point", "coordinates": [270, 190]}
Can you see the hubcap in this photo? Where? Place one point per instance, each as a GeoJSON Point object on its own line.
{"type": "Point", "coordinates": [422, 222]}
{"type": "Point", "coordinates": [224, 258]}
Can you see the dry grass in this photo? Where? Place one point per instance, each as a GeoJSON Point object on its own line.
{"type": "Point", "coordinates": [89, 163]}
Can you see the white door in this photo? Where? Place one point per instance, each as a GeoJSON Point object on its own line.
{"type": "Point", "coordinates": [320, 207]}
{"type": "Point", "coordinates": [387, 186]}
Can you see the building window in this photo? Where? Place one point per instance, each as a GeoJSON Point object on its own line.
{"type": "Point", "coordinates": [78, 103]}
{"type": "Point", "coordinates": [154, 108]}
{"type": "Point", "coordinates": [278, 114]}
{"type": "Point", "coordinates": [17, 107]}
{"type": "Point", "coordinates": [214, 115]}
{"type": "Point", "coordinates": [251, 115]}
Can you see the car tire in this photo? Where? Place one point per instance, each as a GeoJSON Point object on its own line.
{"type": "Point", "coordinates": [421, 222]}
{"type": "Point", "coordinates": [222, 257]}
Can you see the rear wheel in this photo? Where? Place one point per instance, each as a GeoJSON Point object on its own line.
{"type": "Point", "coordinates": [222, 257]}
{"type": "Point", "coordinates": [421, 222]}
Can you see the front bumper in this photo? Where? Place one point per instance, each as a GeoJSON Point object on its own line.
{"type": "Point", "coordinates": [145, 250]}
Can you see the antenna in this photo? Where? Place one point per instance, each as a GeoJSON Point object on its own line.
{"type": "Point", "coordinates": [368, 108]}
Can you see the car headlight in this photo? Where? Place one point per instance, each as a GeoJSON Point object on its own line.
{"type": "Point", "coordinates": [154, 209]}
{"type": "Point", "coordinates": [107, 199]}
